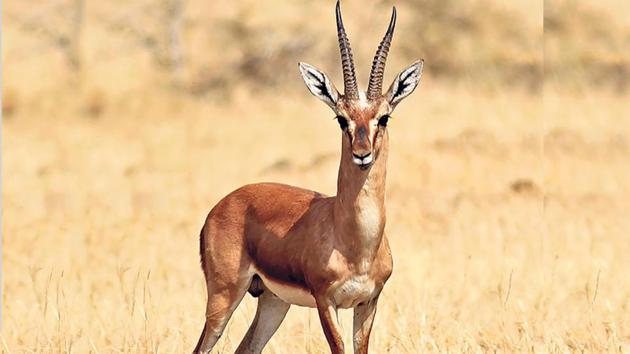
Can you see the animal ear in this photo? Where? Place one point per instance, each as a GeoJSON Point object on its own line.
{"type": "Point", "coordinates": [405, 83]}
{"type": "Point", "coordinates": [319, 85]}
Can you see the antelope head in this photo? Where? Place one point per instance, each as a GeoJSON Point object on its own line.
{"type": "Point", "coordinates": [362, 116]}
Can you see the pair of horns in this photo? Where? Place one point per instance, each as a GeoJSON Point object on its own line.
{"type": "Point", "coordinates": [375, 84]}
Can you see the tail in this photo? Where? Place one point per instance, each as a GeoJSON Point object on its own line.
{"type": "Point", "coordinates": [202, 243]}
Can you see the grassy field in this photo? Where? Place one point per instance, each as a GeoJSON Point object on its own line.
{"type": "Point", "coordinates": [498, 243]}
{"type": "Point", "coordinates": [507, 205]}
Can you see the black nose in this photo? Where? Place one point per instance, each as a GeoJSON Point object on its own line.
{"type": "Point", "coordinates": [362, 156]}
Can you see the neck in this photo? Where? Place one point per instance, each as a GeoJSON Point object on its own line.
{"type": "Point", "coordinates": [360, 203]}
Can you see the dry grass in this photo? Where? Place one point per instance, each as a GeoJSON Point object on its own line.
{"type": "Point", "coordinates": [497, 246]}
{"type": "Point", "coordinates": [507, 210]}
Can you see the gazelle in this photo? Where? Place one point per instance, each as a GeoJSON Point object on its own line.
{"type": "Point", "coordinates": [286, 245]}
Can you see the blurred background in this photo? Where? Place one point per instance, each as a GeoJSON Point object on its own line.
{"type": "Point", "coordinates": [508, 188]}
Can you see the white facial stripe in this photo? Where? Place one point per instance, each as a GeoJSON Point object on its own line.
{"type": "Point", "coordinates": [352, 125]}
{"type": "Point", "coordinates": [373, 127]}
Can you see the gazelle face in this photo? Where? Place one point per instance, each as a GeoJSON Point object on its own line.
{"type": "Point", "coordinates": [363, 116]}
{"type": "Point", "coordinates": [363, 123]}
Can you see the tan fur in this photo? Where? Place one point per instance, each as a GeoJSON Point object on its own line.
{"type": "Point", "coordinates": [331, 248]}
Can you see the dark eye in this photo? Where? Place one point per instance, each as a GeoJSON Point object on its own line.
{"type": "Point", "coordinates": [343, 122]}
{"type": "Point", "coordinates": [383, 120]}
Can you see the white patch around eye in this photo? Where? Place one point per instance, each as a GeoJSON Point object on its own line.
{"type": "Point", "coordinates": [373, 127]}
{"type": "Point", "coordinates": [351, 125]}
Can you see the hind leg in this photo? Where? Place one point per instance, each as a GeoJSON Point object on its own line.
{"type": "Point", "coordinates": [222, 301]}
{"type": "Point", "coordinates": [269, 315]}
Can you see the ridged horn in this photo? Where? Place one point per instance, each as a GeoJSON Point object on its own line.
{"type": "Point", "coordinates": [349, 78]}
{"type": "Point", "coordinates": [375, 84]}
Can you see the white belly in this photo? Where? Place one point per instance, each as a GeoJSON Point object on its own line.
{"type": "Point", "coordinates": [289, 294]}
{"type": "Point", "coordinates": [346, 294]}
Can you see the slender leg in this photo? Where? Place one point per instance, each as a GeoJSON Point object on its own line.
{"type": "Point", "coordinates": [221, 304]}
{"type": "Point", "coordinates": [362, 325]}
{"type": "Point", "coordinates": [269, 315]}
{"type": "Point", "coordinates": [328, 317]}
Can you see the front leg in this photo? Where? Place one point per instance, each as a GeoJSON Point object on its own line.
{"type": "Point", "coordinates": [362, 325]}
{"type": "Point", "coordinates": [328, 317]}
